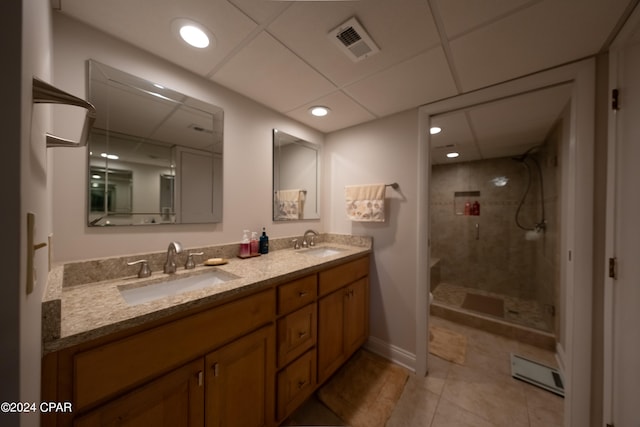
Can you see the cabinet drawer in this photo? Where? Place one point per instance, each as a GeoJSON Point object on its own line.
{"type": "Point", "coordinates": [105, 371]}
{"type": "Point", "coordinates": [342, 275]}
{"type": "Point", "coordinates": [296, 383]}
{"type": "Point", "coordinates": [296, 294]}
{"type": "Point", "coordinates": [296, 333]}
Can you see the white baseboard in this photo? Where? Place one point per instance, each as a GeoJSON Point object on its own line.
{"type": "Point", "coordinates": [395, 354]}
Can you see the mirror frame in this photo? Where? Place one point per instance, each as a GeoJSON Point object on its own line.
{"type": "Point", "coordinates": [306, 196]}
{"type": "Point", "coordinates": [188, 206]}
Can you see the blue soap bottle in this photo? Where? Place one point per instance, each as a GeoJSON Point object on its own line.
{"type": "Point", "coordinates": [264, 242]}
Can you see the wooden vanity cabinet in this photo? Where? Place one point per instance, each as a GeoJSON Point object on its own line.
{"type": "Point", "coordinates": [296, 340]}
{"type": "Point", "coordinates": [240, 382]}
{"type": "Point", "coordinates": [248, 362]}
{"type": "Point", "coordinates": [205, 367]}
{"type": "Point", "coordinates": [175, 399]}
{"type": "Point", "coordinates": [343, 314]}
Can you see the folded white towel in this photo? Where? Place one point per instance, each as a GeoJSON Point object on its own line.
{"type": "Point", "coordinates": [365, 202]}
{"type": "Point", "coordinates": [289, 204]}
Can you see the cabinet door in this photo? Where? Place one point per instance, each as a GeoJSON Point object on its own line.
{"type": "Point", "coordinates": [173, 400]}
{"type": "Point", "coordinates": [240, 387]}
{"type": "Point", "coordinates": [356, 315]}
{"type": "Point", "coordinates": [331, 351]}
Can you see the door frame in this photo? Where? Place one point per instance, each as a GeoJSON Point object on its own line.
{"type": "Point", "coordinates": [619, 43]}
{"type": "Point", "coordinates": [576, 247]}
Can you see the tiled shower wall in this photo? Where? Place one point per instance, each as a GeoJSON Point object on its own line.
{"type": "Point", "coordinates": [489, 251]}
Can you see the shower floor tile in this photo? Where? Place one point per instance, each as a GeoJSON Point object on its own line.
{"type": "Point", "coordinates": [519, 311]}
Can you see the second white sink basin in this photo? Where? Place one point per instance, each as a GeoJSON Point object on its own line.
{"type": "Point", "coordinates": [321, 252]}
{"type": "Point", "coordinates": [135, 294]}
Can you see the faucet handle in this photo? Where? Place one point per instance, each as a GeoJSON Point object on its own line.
{"type": "Point", "coordinates": [296, 245]}
{"type": "Point", "coordinates": [190, 264]}
{"type": "Point", "coordinates": [145, 271]}
{"type": "Point", "coordinates": [313, 241]}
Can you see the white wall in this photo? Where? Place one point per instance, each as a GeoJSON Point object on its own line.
{"type": "Point", "coordinates": [26, 46]}
{"type": "Point", "coordinates": [386, 151]}
{"type": "Point", "coordinates": [247, 155]}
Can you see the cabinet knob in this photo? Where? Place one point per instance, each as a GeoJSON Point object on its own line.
{"type": "Point", "coordinates": [302, 334]}
{"type": "Point", "coordinates": [301, 384]}
{"type": "Point", "coordinates": [302, 294]}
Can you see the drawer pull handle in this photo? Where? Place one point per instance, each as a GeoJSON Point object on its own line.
{"type": "Point", "coordinates": [200, 378]}
{"type": "Point", "coordinates": [302, 294]}
{"type": "Point", "coordinates": [301, 384]}
{"type": "Point", "coordinates": [302, 334]}
{"type": "Point", "coordinates": [215, 369]}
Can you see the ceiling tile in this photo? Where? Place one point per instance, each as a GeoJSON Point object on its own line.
{"type": "Point", "coordinates": [420, 80]}
{"type": "Point", "coordinates": [463, 15]}
{"type": "Point", "coordinates": [147, 24]}
{"type": "Point", "coordinates": [523, 121]}
{"type": "Point", "coordinates": [545, 35]}
{"type": "Point", "coordinates": [261, 11]}
{"type": "Point", "coordinates": [456, 136]}
{"type": "Point", "coordinates": [400, 31]}
{"type": "Point", "coordinates": [269, 73]}
{"type": "Point", "coordinates": [344, 112]}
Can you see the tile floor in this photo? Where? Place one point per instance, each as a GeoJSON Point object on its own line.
{"type": "Point", "coordinates": [480, 393]}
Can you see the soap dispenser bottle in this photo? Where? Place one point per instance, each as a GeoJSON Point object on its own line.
{"type": "Point", "coordinates": [264, 242]}
{"type": "Point", "coordinates": [245, 245]}
{"type": "Point", "coordinates": [255, 246]}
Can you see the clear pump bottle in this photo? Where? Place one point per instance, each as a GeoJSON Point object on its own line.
{"type": "Point", "coordinates": [245, 245]}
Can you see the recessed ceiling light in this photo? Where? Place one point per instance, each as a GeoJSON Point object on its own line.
{"type": "Point", "coordinates": [191, 32]}
{"type": "Point", "coordinates": [434, 130]}
{"type": "Point", "coordinates": [453, 155]}
{"type": "Point", "coordinates": [319, 111]}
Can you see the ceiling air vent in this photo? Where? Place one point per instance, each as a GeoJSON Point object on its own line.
{"type": "Point", "coordinates": [353, 40]}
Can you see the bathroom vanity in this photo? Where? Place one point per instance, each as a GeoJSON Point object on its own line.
{"type": "Point", "coordinates": [246, 352]}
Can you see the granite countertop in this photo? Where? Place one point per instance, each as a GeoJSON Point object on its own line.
{"type": "Point", "coordinates": [76, 313]}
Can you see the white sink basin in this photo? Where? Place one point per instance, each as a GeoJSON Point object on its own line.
{"type": "Point", "coordinates": [321, 252]}
{"type": "Point", "coordinates": [135, 294]}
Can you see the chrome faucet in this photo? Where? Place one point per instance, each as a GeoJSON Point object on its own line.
{"type": "Point", "coordinates": [170, 265]}
{"type": "Point", "coordinates": [306, 243]}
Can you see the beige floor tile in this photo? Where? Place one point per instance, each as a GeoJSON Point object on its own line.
{"type": "Point", "coordinates": [449, 414]}
{"type": "Point", "coordinates": [417, 405]}
{"type": "Point", "coordinates": [545, 409]}
{"type": "Point", "coordinates": [493, 397]}
{"type": "Point", "coordinates": [438, 371]}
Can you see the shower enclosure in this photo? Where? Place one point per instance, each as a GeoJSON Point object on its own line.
{"type": "Point", "coordinates": [495, 238]}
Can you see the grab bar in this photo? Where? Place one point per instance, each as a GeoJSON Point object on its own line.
{"type": "Point", "coordinates": [44, 93]}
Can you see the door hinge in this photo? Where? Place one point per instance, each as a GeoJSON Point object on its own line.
{"type": "Point", "coordinates": [613, 268]}
{"type": "Point", "coordinates": [615, 94]}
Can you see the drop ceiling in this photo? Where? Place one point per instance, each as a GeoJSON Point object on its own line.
{"type": "Point", "coordinates": [279, 53]}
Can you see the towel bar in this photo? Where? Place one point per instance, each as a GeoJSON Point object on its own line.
{"type": "Point", "coordinates": [44, 93]}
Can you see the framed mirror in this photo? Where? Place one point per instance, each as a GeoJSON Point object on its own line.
{"type": "Point", "coordinates": [296, 180]}
{"type": "Point", "coordinates": [155, 155]}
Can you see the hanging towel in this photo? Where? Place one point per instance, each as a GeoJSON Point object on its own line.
{"type": "Point", "coordinates": [365, 202]}
{"type": "Point", "coordinates": [289, 204]}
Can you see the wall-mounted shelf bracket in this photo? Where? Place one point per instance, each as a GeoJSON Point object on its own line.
{"type": "Point", "coordinates": [44, 93]}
